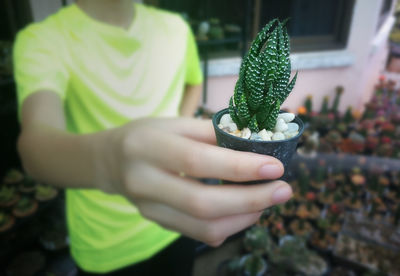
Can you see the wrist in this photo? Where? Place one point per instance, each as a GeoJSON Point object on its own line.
{"type": "Point", "coordinates": [102, 153]}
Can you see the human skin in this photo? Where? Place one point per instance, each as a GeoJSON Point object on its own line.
{"type": "Point", "coordinates": [190, 100]}
{"type": "Point", "coordinates": [152, 162]}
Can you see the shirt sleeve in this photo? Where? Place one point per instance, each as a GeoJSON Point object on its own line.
{"type": "Point", "coordinates": [194, 74]}
{"type": "Point", "coordinates": [37, 64]}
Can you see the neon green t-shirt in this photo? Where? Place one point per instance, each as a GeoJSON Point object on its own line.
{"type": "Point", "coordinates": [107, 76]}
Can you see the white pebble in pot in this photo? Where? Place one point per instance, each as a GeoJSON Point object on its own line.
{"type": "Point", "coordinates": [287, 117]}
{"type": "Point", "coordinates": [232, 127]}
{"type": "Point", "coordinates": [246, 133]}
{"type": "Point", "coordinates": [278, 136]}
{"type": "Point", "coordinates": [265, 135]}
{"type": "Point", "coordinates": [280, 126]}
{"type": "Point", "coordinates": [289, 135]}
{"type": "Point", "coordinates": [256, 137]}
{"type": "Point", "coordinates": [292, 127]}
{"type": "Point", "coordinates": [226, 120]}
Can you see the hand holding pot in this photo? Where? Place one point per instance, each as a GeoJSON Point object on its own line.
{"type": "Point", "coordinates": [156, 160]}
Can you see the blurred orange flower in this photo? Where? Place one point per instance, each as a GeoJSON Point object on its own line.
{"type": "Point", "coordinates": [302, 110]}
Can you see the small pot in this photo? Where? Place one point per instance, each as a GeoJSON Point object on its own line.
{"type": "Point", "coordinates": [282, 149]}
{"type": "Point", "coordinates": [262, 270]}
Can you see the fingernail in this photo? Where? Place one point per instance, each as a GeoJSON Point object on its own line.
{"type": "Point", "coordinates": [271, 171]}
{"type": "Point", "coordinates": [282, 194]}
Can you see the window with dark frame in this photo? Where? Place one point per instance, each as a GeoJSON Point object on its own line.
{"type": "Point", "coordinates": [226, 20]}
{"type": "Point", "coordinates": [313, 24]}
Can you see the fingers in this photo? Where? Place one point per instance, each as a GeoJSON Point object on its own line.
{"type": "Point", "coordinates": [200, 130]}
{"type": "Point", "coordinates": [179, 154]}
{"type": "Point", "coordinates": [205, 201]}
{"type": "Point", "coordinates": [165, 143]}
{"type": "Point", "coordinates": [196, 129]}
{"type": "Point", "coordinates": [212, 232]}
{"type": "Point", "coordinates": [215, 201]}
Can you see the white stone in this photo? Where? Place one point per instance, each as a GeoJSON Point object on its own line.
{"type": "Point", "coordinates": [220, 126]}
{"type": "Point", "coordinates": [280, 126]}
{"type": "Point", "coordinates": [265, 135]}
{"type": "Point", "coordinates": [246, 133]}
{"type": "Point", "coordinates": [226, 120]}
{"type": "Point", "coordinates": [287, 117]}
{"type": "Point", "coordinates": [278, 136]}
{"type": "Point", "coordinates": [270, 133]}
{"type": "Point", "coordinates": [289, 135]}
{"type": "Point", "coordinates": [232, 127]}
{"type": "Point", "coordinates": [292, 127]}
{"type": "Point", "coordinates": [256, 137]}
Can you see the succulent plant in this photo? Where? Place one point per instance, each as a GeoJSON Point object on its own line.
{"type": "Point", "coordinates": [338, 94]}
{"type": "Point", "coordinates": [264, 79]}
{"type": "Point", "coordinates": [13, 176]}
{"type": "Point", "coordinates": [254, 265]}
{"type": "Point", "coordinates": [6, 193]}
{"type": "Point", "coordinates": [308, 104]}
{"type": "Point", "coordinates": [348, 115]}
{"type": "Point", "coordinates": [24, 203]}
{"type": "Point", "coordinates": [6, 221]}
{"type": "Point", "coordinates": [45, 192]}
{"type": "Point", "coordinates": [27, 185]}
{"type": "Point", "coordinates": [293, 256]}
{"type": "Point", "coordinates": [257, 240]}
{"type": "Point", "coordinates": [324, 107]}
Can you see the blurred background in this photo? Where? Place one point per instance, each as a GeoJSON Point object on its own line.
{"type": "Point", "coordinates": [347, 53]}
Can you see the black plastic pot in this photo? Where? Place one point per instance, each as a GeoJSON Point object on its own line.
{"type": "Point", "coordinates": [282, 149]}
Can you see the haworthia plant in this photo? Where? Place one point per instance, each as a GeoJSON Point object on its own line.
{"type": "Point", "coordinates": [264, 79]}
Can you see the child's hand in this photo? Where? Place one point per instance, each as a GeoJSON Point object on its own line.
{"type": "Point", "coordinates": [155, 161]}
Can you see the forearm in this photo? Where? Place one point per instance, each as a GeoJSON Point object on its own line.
{"type": "Point", "coordinates": [190, 100]}
{"type": "Point", "coordinates": [62, 159]}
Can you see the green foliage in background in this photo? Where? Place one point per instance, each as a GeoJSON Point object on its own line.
{"type": "Point", "coordinates": [264, 79]}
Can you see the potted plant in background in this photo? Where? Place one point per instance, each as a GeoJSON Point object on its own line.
{"type": "Point", "coordinates": [335, 216]}
{"type": "Point", "coordinates": [292, 257]}
{"type": "Point", "coordinates": [257, 242]}
{"type": "Point", "coordinates": [6, 221]}
{"type": "Point", "coordinates": [45, 192]}
{"type": "Point", "coordinates": [320, 175]}
{"type": "Point", "coordinates": [322, 239]}
{"type": "Point", "coordinates": [27, 185]}
{"type": "Point", "coordinates": [8, 196]}
{"type": "Point", "coordinates": [289, 209]}
{"type": "Point", "coordinates": [13, 176]}
{"type": "Point", "coordinates": [253, 121]}
{"type": "Point", "coordinates": [25, 207]}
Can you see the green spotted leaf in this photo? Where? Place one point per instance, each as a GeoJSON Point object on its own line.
{"type": "Point", "coordinates": [264, 79]}
{"type": "Point", "coordinates": [243, 111]}
{"type": "Point", "coordinates": [288, 89]}
{"type": "Point", "coordinates": [273, 115]}
{"type": "Point", "coordinates": [253, 125]}
{"type": "Point", "coordinates": [233, 114]}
